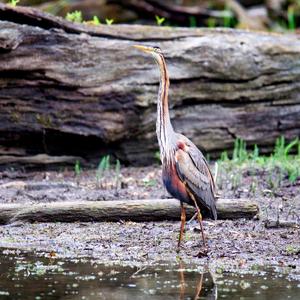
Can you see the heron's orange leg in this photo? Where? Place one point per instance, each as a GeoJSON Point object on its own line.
{"type": "Point", "coordinates": [199, 216]}
{"type": "Point", "coordinates": [199, 287]}
{"type": "Point", "coordinates": [201, 253]}
{"type": "Point", "coordinates": [201, 225]}
{"type": "Point", "coordinates": [183, 219]}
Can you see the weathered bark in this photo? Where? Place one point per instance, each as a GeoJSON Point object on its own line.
{"type": "Point", "coordinates": [134, 210]}
{"type": "Point", "coordinates": [67, 93]}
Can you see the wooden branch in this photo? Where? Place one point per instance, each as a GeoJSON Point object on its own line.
{"type": "Point", "coordinates": [63, 92]}
{"type": "Point", "coordinates": [39, 160]}
{"type": "Point", "coordinates": [134, 210]}
{"type": "Point", "coordinates": [281, 224]}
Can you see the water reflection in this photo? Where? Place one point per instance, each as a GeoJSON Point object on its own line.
{"type": "Point", "coordinates": [206, 291]}
{"type": "Point", "coordinates": [25, 277]}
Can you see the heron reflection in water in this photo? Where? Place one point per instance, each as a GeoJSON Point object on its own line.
{"type": "Point", "coordinates": [206, 286]}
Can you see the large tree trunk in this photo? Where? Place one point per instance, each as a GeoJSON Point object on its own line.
{"type": "Point", "coordinates": [76, 89]}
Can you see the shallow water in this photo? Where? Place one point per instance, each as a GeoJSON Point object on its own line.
{"type": "Point", "coordinates": [24, 276]}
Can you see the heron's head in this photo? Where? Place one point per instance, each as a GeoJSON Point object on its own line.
{"type": "Point", "coordinates": [154, 51]}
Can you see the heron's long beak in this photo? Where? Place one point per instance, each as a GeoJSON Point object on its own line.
{"type": "Point", "coordinates": [143, 48]}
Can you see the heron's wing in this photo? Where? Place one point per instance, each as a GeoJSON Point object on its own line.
{"type": "Point", "coordinates": [201, 163]}
{"type": "Point", "coordinates": [192, 168]}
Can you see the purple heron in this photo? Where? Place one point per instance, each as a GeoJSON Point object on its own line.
{"type": "Point", "coordinates": [186, 174]}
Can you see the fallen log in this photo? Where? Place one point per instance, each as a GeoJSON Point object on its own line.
{"type": "Point", "coordinates": [281, 224]}
{"type": "Point", "coordinates": [134, 210]}
{"type": "Point", "coordinates": [78, 90]}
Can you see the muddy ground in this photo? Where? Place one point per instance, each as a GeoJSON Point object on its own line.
{"type": "Point", "coordinates": [233, 244]}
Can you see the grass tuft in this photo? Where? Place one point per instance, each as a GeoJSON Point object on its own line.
{"type": "Point", "coordinates": [284, 162]}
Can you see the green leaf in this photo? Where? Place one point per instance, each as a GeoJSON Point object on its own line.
{"type": "Point", "coordinates": [109, 21]}
{"type": "Point", "coordinates": [159, 20]}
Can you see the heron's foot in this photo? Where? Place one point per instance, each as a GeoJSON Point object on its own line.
{"type": "Point", "coordinates": [203, 252]}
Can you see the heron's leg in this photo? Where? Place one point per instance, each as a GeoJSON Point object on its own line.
{"type": "Point", "coordinates": [199, 219]}
{"type": "Point", "coordinates": [202, 252]}
{"type": "Point", "coordinates": [201, 224]}
{"type": "Point", "coordinates": [183, 218]}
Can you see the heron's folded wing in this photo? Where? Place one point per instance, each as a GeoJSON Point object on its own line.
{"type": "Point", "coordinates": [201, 163]}
{"type": "Point", "coordinates": [197, 177]}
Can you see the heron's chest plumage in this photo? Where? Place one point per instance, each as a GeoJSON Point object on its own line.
{"type": "Point", "coordinates": [173, 183]}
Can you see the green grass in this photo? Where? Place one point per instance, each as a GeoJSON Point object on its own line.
{"type": "Point", "coordinates": [284, 160]}
{"type": "Point", "coordinates": [211, 22]}
{"type": "Point", "coordinates": [103, 167]}
{"type": "Point", "coordinates": [227, 20]}
{"type": "Point", "coordinates": [291, 18]}
{"type": "Point", "coordinates": [77, 168]}
{"type": "Point", "coordinates": [193, 22]}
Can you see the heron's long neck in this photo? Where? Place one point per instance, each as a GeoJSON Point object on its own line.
{"type": "Point", "coordinates": [164, 129]}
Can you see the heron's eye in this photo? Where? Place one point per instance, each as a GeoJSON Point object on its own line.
{"type": "Point", "coordinates": [157, 49]}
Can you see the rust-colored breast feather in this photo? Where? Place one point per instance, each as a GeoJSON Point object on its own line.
{"type": "Point", "coordinates": [174, 185]}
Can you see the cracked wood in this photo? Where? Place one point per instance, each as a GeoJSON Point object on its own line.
{"type": "Point", "coordinates": [73, 89]}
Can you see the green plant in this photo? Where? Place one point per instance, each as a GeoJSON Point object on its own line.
{"type": "Point", "coordinates": [157, 156]}
{"type": "Point", "coordinates": [207, 157]}
{"type": "Point", "coordinates": [240, 153]}
{"type": "Point", "coordinates": [13, 2]}
{"type": "Point", "coordinates": [96, 21]}
{"type": "Point", "coordinates": [109, 21]}
{"type": "Point", "coordinates": [193, 21]}
{"type": "Point", "coordinates": [103, 166]}
{"type": "Point", "coordinates": [227, 19]}
{"type": "Point", "coordinates": [77, 168]}
{"type": "Point", "coordinates": [291, 18]}
{"type": "Point", "coordinates": [117, 173]}
{"type": "Point", "coordinates": [255, 154]}
{"type": "Point", "coordinates": [292, 250]}
{"type": "Point", "coordinates": [280, 164]}
{"type": "Point", "coordinates": [75, 16]}
{"type": "Point", "coordinates": [224, 156]}
{"type": "Point", "coordinates": [211, 22]}
{"type": "Point", "coordinates": [149, 182]}
{"type": "Point", "coordinates": [236, 179]}
{"type": "Point", "coordinates": [159, 20]}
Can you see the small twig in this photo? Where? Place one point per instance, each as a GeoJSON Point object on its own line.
{"type": "Point", "coordinates": [216, 172]}
{"type": "Point", "coordinates": [138, 271]}
{"type": "Point", "coordinates": [192, 218]}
